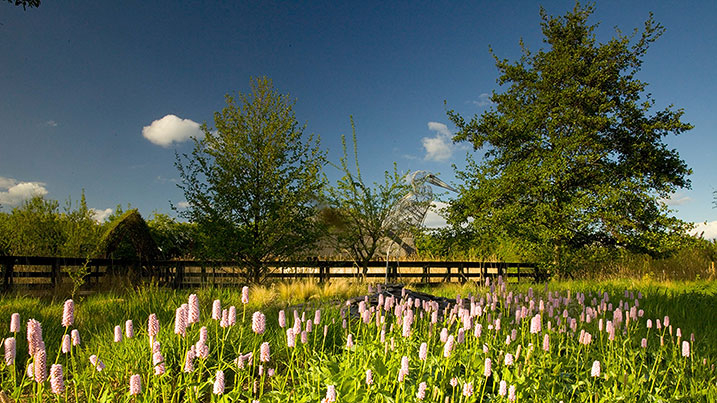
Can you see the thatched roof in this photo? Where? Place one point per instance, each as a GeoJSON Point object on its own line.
{"type": "Point", "coordinates": [130, 226]}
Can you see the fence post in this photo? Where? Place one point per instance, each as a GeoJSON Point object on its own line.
{"type": "Point", "coordinates": [204, 274]}
{"type": "Point", "coordinates": [8, 268]}
{"type": "Point", "coordinates": [447, 278]}
{"type": "Point", "coordinates": [179, 275]}
{"type": "Point", "coordinates": [461, 271]}
{"type": "Point", "coordinates": [54, 274]}
{"type": "Point", "coordinates": [426, 274]}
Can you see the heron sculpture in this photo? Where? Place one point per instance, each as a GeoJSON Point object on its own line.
{"type": "Point", "coordinates": [410, 211]}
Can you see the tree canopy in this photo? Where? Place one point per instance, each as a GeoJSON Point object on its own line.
{"type": "Point", "coordinates": [252, 183]}
{"type": "Point", "coordinates": [573, 149]}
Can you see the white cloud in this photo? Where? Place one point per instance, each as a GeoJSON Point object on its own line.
{"type": "Point", "coordinates": [483, 100]}
{"type": "Point", "coordinates": [183, 204]}
{"type": "Point", "coordinates": [440, 147]}
{"type": "Point", "coordinates": [708, 230]}
{"type": "Point", "coordinates": [677, 199]}
{"type": "Point", "coordinates": [100, 215]}
{"type": "Point", "coordinates": [12, 192]}
{"type": "Point", "coordinates": [51, 123]}
{"type": "Point", "coordinates": [433, 217]}
{"type": "Point", "coordinates": [171, 129]}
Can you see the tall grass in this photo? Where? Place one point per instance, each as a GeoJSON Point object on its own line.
{"type": "Point", "coordinates": [326, 362]}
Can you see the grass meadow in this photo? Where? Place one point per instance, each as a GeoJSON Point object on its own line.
{"type": "Point", "coordinates": [561, 341]}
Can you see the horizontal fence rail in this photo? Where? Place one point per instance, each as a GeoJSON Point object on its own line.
{"type": "Point", "coordinates": [44, 272]}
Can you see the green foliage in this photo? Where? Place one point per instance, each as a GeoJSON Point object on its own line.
{"type": "Point", "coordinates": [129, 227]}
{"type": "Point", "coordinates": [174, 239]}
{"type": "Point", "coordinates": [39, 228]}
{"type": "Point", "coordinates": [361, 217]}
{"type": "Point", "coordinates": [252, 183]}
{"type": "Point", "coordinates": [25, 3]}
{"type": "Point", "coordinates": [574, 153]}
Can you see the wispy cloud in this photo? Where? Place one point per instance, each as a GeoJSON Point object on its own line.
{"type": "Point", "coordinates": [101, 215]}
{"type": "Point", "coordinates": [12, 192]}
{"type": "Point", "coordinates": [483, 100]}
{"type": "Point", "coordinates": [183, 205]}
{"type": "Point", "coordinates": [171, 129]}
{"type": "Point", "coordinates": [440, 147]}
{"type": "Point", "coordinates": [677, 199]}
{"type": "Point", "coordinates": [51, 123]}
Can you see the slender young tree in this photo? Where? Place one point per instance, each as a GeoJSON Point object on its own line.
{"type": "Point", "coordinates": [252, 183]}
{"type": "Point", "coordinates": [573, 148]}
{"type": "Point", "coordinates": [362, 219]}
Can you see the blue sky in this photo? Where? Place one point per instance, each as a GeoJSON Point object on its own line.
{"type": "Point", "coordinates": [80, 80]}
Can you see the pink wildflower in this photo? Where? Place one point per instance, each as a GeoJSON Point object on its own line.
{"type": "Point", "coordinates": [511, 393]}
{"type": "Point", "coordinates": [468, 389]}
{"type": "Point", "coordinates": [350, 341]}
{"type": "Point", "coordinates": [129, 328]}
{"type": "Point", "coordinates": [643, 343]}
{"type": "Point", "coordinates": [369, 377]}
{"type": "Point", "coordinates": [595, 370]}
{"type": "Point", "coordinates": [508, 359]}
{"type": "Point", "coordinates": [503, 388]}
{"type": "Point", "coordinates": [487, 367]}
{"type": "Point", "coordinates": [423, 352]}
{"type": "Point", "coordinates": [265, 352]}
{"type": "Point", "coordinates": [258, 323]}
{"type": "Point", "coordinates": [135, 385]}
{"type": "Point", "coordinates": [245, 295]}
{"type": "Point", "coordinates": [282, 319]}
{"type": "Point", "coordinates": [152, 327]}
{"type": "Point", "coordinates": [290, 338]}
{"type": "Point", "coordinates": [219, 383]}
{"type": "Point", "coordinates": [453, 382]}
{"type": "Point", "coordinates": [546, 342]}
{"type": "Point", "coordinates": [685, 348]}
{"type": "Point", "coordinates": [421, 393]}
{"type": "Point", "coordinates": [331, 393]}
{"type": "Point", "coordinates": [217, 309]}
{"type": "Point", "coordinates": [448, 347]}
{"type": "Point", "coordinates": [158, 362]}
{"type": "Point", "coordinates": [180, 321]}
{"type": "Point", "coordinates": [10, 351]}
{"type": "Point", "coordinates": [232, 318]}
{"type": "Point", "coordinates": [68, 314]}
{"type": "Point", "coordinates": [118, 334]}
{"type": "Point", "coordinates": [57, 383]}
{"type": "Point", "coordinates": [66, 344]}
{"type": "Point", "coordinates": [15, 323]}
{"type": "Point", "coordinates": [193, 314]}
{"type": "Point", "coordinates": [40, 365]}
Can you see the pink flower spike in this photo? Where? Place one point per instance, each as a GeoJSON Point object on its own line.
{"type": "Point", "coordinates": [40, 366]}
{"type": "Point", "coordinates": [369, 377]}
{"type": "Point", "coordinates": [10, 351]}
{"type": "Point", "coordinates": [129, 329]}
{"type": "Point", "coordinates": [245, 295]}
{"type": "Point", "coordinates": [118, 334]}
{"type": "Point", "coordinates": [193, 314]}
{"type": "Point", "coordinates": [468, 389]}
{"type": "Point", "coordinates": [421, 393]}
{"type": "Point", "coordinates": [265, 352]}
{"type": "Point", "coordinates": [57, 383]}
{"type": "Point", "coordinates": [258, 322]}
{"type": "Point", "coordinates": [217, 310]}
{"type": "Point", "coordinates": [66, 344]}
{"type": "Point", "coordinates": [219, 383]}
{"type": "Point", "coordinates": [135, 385]}
{"type": "Point", "coordinates": [68, 313]}
{"type": "Point", "coordinates": [595, 370]}
{"type": "Point", "coordinates": [15, 323]}
{"type": "Point", "coordinates": [487, 370]}
{"type": "Point", "coordinates": [685, 348]}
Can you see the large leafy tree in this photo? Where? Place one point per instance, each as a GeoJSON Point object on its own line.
{"type": "Point", "coordinates": [573, 148]}
{"type": "Point", "coordinates": [252, 183]}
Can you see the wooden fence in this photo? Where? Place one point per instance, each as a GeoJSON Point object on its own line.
{"type": "Point", "coordinates": [49, 272]}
